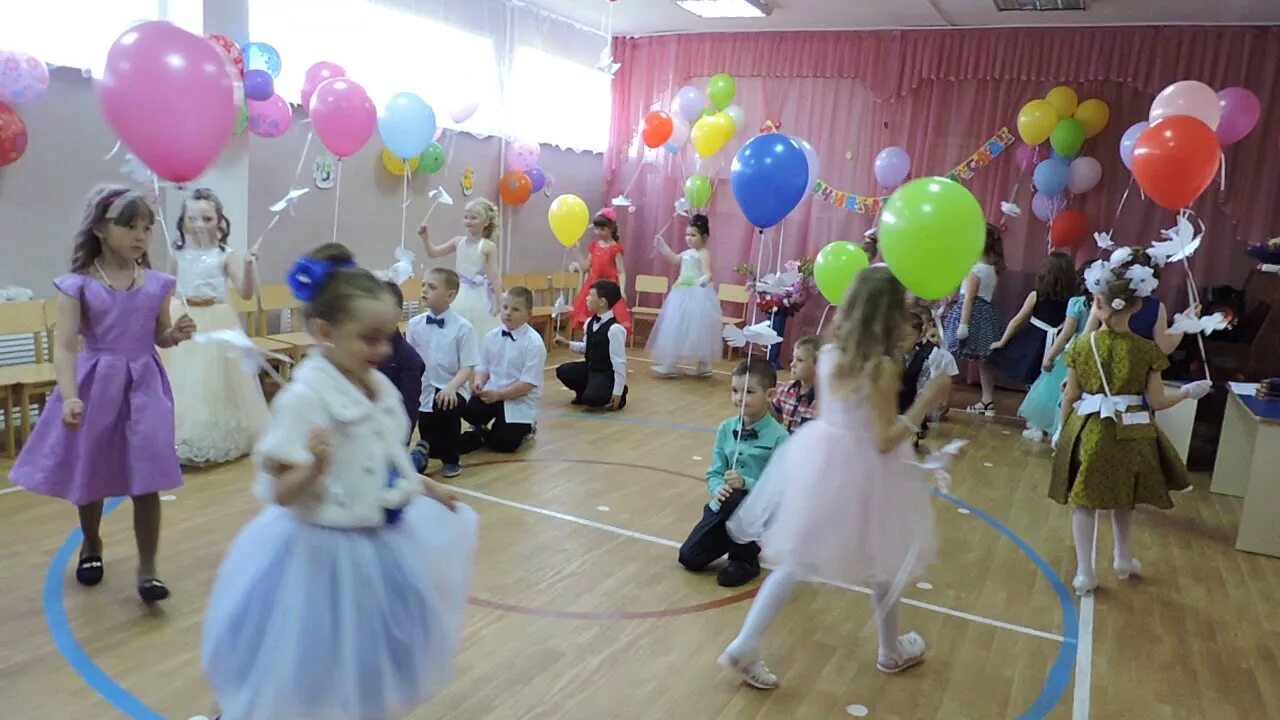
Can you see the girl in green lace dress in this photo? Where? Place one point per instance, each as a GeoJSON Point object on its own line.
{"type": "Point", "coordinates": [1110, 454]}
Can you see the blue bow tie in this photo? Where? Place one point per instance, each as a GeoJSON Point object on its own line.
{"type": "Point", "coordinates": [433, 320]}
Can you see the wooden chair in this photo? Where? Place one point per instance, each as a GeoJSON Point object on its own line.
{"type": "Point", "coordinates": [279, 298]}
{"type": "Point", "coordinates": [411, 289]}
{"type": "Point", "coordinates": [652, 285]}
{"type": "Point", "coordinates": [568, 283]}
{"type": "Point", "coordinates": [542, 314]}
{"type": "Point", "coordinates": [735, 295]}
{"type": "Point", "coordinates": [252, 318]}
{"type": "Point", "coordinates": [20, 383]}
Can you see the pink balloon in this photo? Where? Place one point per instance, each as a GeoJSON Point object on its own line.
{"type": "Point", "coordinates": [523, 156]}
{"type": "Point", "coordinates": [1045, 207]}
{"type": "Point", "coordinates": [1026, 156]}
{"type": "Point", "coordinates": [1083, 175]}
{"type": "Point", "coordinates": [168, 96]}
{"type": "Point", "coordinates": [316, 76]}
{"type": "Point", "coordinates": [22, 78]}
{"type": "Point", "coordinates": [343, 116]}
{"type": "Point", "coordinates": [270, 118]}
{"type": "Point", "coordinates": [1240, 112]}
{"type": "Point", "coordinates": [1188, 97]}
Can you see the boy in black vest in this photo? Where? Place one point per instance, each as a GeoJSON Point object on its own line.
{"type": "Point", "coordinates": [600, 379]}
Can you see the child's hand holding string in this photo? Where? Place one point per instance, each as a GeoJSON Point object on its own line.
{"type": "Point", "coordinates": [733, 480]}
{"type": "Point", "coordinates": [182, 330]}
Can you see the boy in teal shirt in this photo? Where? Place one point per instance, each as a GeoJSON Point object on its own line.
{"type": "Point", "coordinates": [753, 386]}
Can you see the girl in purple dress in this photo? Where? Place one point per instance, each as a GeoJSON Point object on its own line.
{"type": "Point", "coordinates": [108, 429]}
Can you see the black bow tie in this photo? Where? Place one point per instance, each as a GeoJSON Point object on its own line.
{"type": "Point", "coordinates": [433, 320]}
{"type": "Point", "coordinates": [745, 434]}
{"type": "Point", "coordinates": [507, 334]}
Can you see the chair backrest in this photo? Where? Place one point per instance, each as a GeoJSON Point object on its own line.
{"type": "Point", "coordinates": [566, 280]}
{"type": "Point", "coordinates": [27, 318]}
{"type": "Point", "coordinates": [652, 284]}
{"type": "Point", "coordinates": [247, 310]}
{"type": "Point", "coordinates": [412, 291]}
{"type": "Point", "coordinates": [731, 293]}
{"type": "Point", "coordinates": [514, 279]}
{"type": "Point", "coordinates": [273, 298]}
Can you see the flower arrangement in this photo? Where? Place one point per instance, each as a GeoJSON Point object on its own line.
{"type": "Point", "coordinates": [784, 293]}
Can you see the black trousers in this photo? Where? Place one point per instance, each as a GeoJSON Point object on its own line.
{"type": "Point", "coordinates": [591, 388]}
{"type": "Point", "coordinates": [441, 429]}
{"type": "Point", "coordinates": [494, 431]}
{"type": "Point", "coordinates": [709, 540]}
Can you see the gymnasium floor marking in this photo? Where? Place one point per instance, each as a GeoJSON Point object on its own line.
{"type": "Point", "coordinates": [1084, 661]}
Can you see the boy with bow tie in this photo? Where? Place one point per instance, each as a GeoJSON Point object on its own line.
{"type": "Point", "coordinates": [447, 344]}
{"type": "Point", "coordinates": [599, 380]}
{"type": "Point", "coordinates": [744, 444]}
{"type": "Point", "coordinates": [508, 382]}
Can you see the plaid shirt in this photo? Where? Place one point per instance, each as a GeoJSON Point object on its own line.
{"type": "Point", "coordinates": [794, 407]}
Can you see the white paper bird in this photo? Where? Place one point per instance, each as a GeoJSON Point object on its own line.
{"type": "Point", "coordinates": [399, 272]}
{"type": "Point", "coordinates": [1010, 209]}
{"type": "Point", "coordinates": [16, 294]}
{"type": "Point", "coordinates": [682, 207]}
{"type": "Point", "coordinates": [1181, 241]}
{"type": "Point", "coordinates": [940, 461]}
{"type": "Point", "coordinates": [440, 196]}
{"type": "Point", "coordinates": [1103, 239]}
{"type": "Point", "coordinates": [289, 200]}
{"type": "Point", "coordinates": [560, 306]}
{"type": "Point", "coordinates": [606, 64]}
{"type": "Point", "coordinates": [1142, 280]}
{"type": "Point", "coordinates": [236, 343]}
{"type": "Point", "coordinates": [621, 201]}
{"type": "Point", "coordinates": [1187, 323]}
{"type": "Point", "coordinates": [775, 283]}
{"type": "Point", "coordinates": [761, 334]}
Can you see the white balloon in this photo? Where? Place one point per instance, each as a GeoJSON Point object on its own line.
{"type": "Point", "coordinates": [1083, 174]}
{"type": "Point", "coordinates": [739, 117]}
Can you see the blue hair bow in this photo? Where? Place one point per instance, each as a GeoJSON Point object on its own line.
{"type": "Point", "coordinates": [307, 276]}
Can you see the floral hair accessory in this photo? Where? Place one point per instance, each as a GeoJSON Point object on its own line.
{"type": "Point", "coordinates": [608, 213]}
{"type": "Point", "coordinates": [1097, 276]}
{"type": "Point", "coordinates": [1142, 280]}
{"type": "Point", "coordinates": [307, 276]}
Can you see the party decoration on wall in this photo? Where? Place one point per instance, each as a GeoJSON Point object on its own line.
{"type": "Point", "coordinates": [261, 56]}
{"type": "Point", "coordinates": [892, 166]}
{"type": "Point", "coordinates": [515, 188]}
{"type": "Point", "coordinates": [1240, 112]}
{"type": "Point", "coordinates": [1175, 159]}
{"type": "Point", "coordinates": [229, 50]}
{"type": "Point", "coordinates": [982, 157]}
{"type": "Point", "coordinates": [23, 78]}
{"type": "Point", "coordinates": [258, 85]}
{"type": "Point", "coordinates": [398, 166]}
{"type": "Point", "coordinates": [768, 177]}
{"type": "Point", "coordinates": [343, 116]}
{"type": "Point", "coordinates": [522, 155]}
{"type": "Point", "coordinates": [931, 232]}
{"type": "Point", "coordinates": [721, 89]}
{"type": "Point", "coordinates": [13, 135]}
{"type": "Point", "coordinates": [468, 181]}
{"type": "Point", "coordinates": [147, 67]}
{"type": "Point", "coordinates": [1068, 228]}
{"type": "Point", "coordinates": [697, 190]}
{"type": "Point", "coordinates": [568, 218]}
{"type": "Point", "coordinates": [538, 177]}
{"type": "Point", "coordinates": [317, 75]}
{"type": "Point", "coordinates": [658, 128]}
{"type": "Point", "coordinates": [836, 267]}
{"type": "Point", "coordinates": [407, 125]}
{"type": "Point", "coordinates": [770, 126]}
{"type": "Point", "coordinates": [1190, 98]}
{"type": "Point", "coordinates": [270, 118]}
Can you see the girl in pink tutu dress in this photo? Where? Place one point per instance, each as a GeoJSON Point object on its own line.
{"type": "Point", "coordinates": [108, 429]}
{"type": "Point", "coordinates": [841, 501]}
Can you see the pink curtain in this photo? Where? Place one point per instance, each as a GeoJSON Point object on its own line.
{"type": "Point", "coordinates": [940, 95]}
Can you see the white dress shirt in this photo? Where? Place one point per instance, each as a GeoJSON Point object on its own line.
{"type": "Point", "coordinates": [508, 361]}
{"type": "Point", "coordinates": [366, 437]}
{"type": "Point", "coordinates": [617, 349]}
{"type": "Point", "coordinates": [445, 350]}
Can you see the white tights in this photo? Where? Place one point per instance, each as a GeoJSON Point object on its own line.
{"type": "Point", "coordinates": [773, 595]}
{"type": "Point", "coordinates": [1083, 525]}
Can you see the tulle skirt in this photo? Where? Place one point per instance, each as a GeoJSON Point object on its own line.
{"type": "Point", "coordinates": [476, 305]}
{"type": "Point", "coordinates": [834, 508]}
{"type": "Point", "coordinates": [688, 328]}
{"type": "Point", "coordinates": [329, 624]}
{"type": "Point", "coordinates": [1042, 407]}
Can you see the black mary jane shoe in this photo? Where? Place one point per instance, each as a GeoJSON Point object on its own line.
{"type": "Point", "coordinates": [89, 570]}
{"type": "Point", "coordinates": [152, 591]}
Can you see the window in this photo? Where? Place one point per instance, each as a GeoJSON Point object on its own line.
{"type": "Point", "coordinates": [558, 101]}
{"type": "Point", "coordinates": [74, 33]}
{"type": "Point", "coordinates": [385, 49]}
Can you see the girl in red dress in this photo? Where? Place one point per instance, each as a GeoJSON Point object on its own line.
{"type": "Point", "coordinates": [606, 264]}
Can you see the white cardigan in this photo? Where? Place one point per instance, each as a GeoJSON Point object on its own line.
{"type": "Point", "coordinates": [367, 440]}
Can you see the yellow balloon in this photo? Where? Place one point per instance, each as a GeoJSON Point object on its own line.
{"type": "Point", "coordinates": [568, 217]}
{"type": "Point", "coordinates": [1036, 120]}
{"type": "Point", "coordinates": [1064, 100]}
{"type": "Point", "coordinates": [1093, 114]}
{"type": "Point", "coordinates": [711, 133]}
{"type": "Point", "coordinates": [395, 165]}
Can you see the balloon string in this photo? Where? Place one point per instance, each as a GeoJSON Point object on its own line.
{"type": "Point", "coordinates": [1120, 207]}
{"type": "Point", "coordinates": [404, 206]}
{"type": "Point", "coordinates": [742, 407]}
{"type": "Point", "coordinates": [635, 177]}
{"type": "Point", "coordinates": [113, 152]}
{"type": "Point", "coordinates": [337, 199]}
{"type": "Point", "coordinates": [1222, 175]}
{"type": "Point", "coordinates": [823, 319]}
{"type": "Point", "coordinates": [168, 241]}
{"type": "Point", "coordinates": [302, 159]}
{"type": "Point", "coordinates": [1195, 299]}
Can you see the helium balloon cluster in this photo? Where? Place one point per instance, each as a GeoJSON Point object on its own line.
{"type": "Point", "coordinates": [23, 78]}
{"type": "Point", "coordinates": [704, 118]}
{"type": "Point", "coordinates": [1060, 170]}
{"type": "Point", "coordinates": [524, 176]}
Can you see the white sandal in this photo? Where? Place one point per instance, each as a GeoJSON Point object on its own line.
{"type": "Point", "coordinates": [910, 653]}
{"type": "Point", "coordinates": [753, 673]}
{"type": "Point", "coordinates": [1126, 570]}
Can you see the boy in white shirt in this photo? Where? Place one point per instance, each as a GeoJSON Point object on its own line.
{"type": "Point", "coordinates": [600, 379]}
{"type": "Point", "coordinates": [508, 382]}
{"type": "Point", "coordinates": [447, 344]}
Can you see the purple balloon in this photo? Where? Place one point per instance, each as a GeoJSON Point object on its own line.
{"type": "Point", "coordinates": [537, 177]}
{"type": "Point", "coordinates": [1045, 206]}
{"type": "Point", "coordinates": [1051, 176]}
{"type": "Point", "coordinates": [259, 85]}
{"type": "Point", "coordinates": [1027, 156]}
{"type": "Point", "coordinates": [1129, 140]}
{"type": "Point", "coordinates": [689, 103]}
{"type": "Point", "coordinates": [1240, 112]}
{"type": "Point", "coordinates": [811, 156]}
{"type": "Point", "coordinates": [892, 167]}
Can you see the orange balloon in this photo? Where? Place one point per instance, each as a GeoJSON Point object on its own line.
{"type": "Point", "coordinates": [515, 188]}
{"type": "Point", "coordinates": [1175, 159]}
{"type": "Point", "coordinates": [658, 127]}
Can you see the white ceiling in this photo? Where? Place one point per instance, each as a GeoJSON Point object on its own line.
{"type": "Point", "coordinates": [650, 17]}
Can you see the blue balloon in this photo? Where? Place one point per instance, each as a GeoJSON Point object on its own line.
{"type": "Point", "coordinates": [261, 56]}
{"type": "Point", "coordinates": [770, 176]}
{"type": "Point", "coordinates": [407, 125]}
{"type": "Point", "coordinates": [1051, 175]}
{"type": "Point", "coordinates": [259, 85]}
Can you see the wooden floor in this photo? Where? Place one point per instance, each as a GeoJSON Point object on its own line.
{"type": "Point", "coordinates": [581, 612]}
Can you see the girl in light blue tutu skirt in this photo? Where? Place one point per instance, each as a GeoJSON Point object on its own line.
{"type": "Point", "coordinates": [1041, 407]}
{"type": "Point", "coordinates": [344, 598]}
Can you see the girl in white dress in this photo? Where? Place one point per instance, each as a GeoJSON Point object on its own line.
{"type": "Point", "coordinates": [688, 327]}
{"type": "Point", "coordinates": [477, 264]}
{"type": "Point", "coordinates": [218, 402]}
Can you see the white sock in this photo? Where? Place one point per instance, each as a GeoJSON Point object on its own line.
{"type": "Point", "coordinates": [1122, 528]}
{"type": "Point", "coordinates": [1083, 522]}
{"type": "Point", "coordinates": [886, 620]}
{"type": "Point", "coordinates": [772, 596]}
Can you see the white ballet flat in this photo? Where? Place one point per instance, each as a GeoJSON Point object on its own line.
{"type": "Point", "coordinates": [910, 653]}
{"type": "Point", "coordinates": [1125, 570]}
{"type": "Point", "coordinates": [753, 673]}
{"type": "Point", "coordinates": [1084, 584]}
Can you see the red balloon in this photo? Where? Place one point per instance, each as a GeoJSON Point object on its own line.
{"type": "Point", "coordinates": [515, 188]}
{"type": "Point", "coordinates": [13, 136]}
{"type": "Point", "coordinates": [1069, 227]}
{"type": "Point", "coordinates": [229, 50]}
{"type": "Point", "coordinates": [1175, 159]}
{"type": "Point", "coordinates": [658, 127]}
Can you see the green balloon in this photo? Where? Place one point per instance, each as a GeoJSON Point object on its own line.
{"type": "Point", "coordinates": [697, 190]}
{"type": "Point", "coordinates": [709, 111]}
{"type": "Point", "coordinates": [836, 267]}
{"type": "Point", "coordinates": [1067, 137]}
{"type": "Point", "coordinates": [721, 89]}
{"type": "Point", "coordinates": [931, 233]}
{"type": "Point", "coordinates": [242, 119]}
{"type": "Point", "coordinates": [431, 159]}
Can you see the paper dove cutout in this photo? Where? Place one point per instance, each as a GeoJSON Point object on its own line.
{"type": "Point", "coordinates": [561, 305]}
{"type": "Point", "coordinates": [606, 64]}
{"type": "Point", "coordinates": [1010, 209]}
{"type": "Point", "coordinates": [682, 207]}
{"type": "Point", "coordinates": [440, 196]}
{"type": "Point", "coordinates": [941, 460]}
{"type": "Point", "coordinates": [759, 334]}
{"type": "Point", "coordinates": [236, 343]}
{"type": "Point", "coordinates": [402, 269]}
{"type": "Point", "coordinates": [1103, 239]}
{"type": "Point", "coordinates": [1182, 241]}
{"type": "Point", "coordinates": [775, 283]}
{"type": "Point", "coordinates": [289, 200]}
{"type": "Point", "coordinates": [621, 201]}
{"type": "Point", "coordinates": [1188, 324]}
